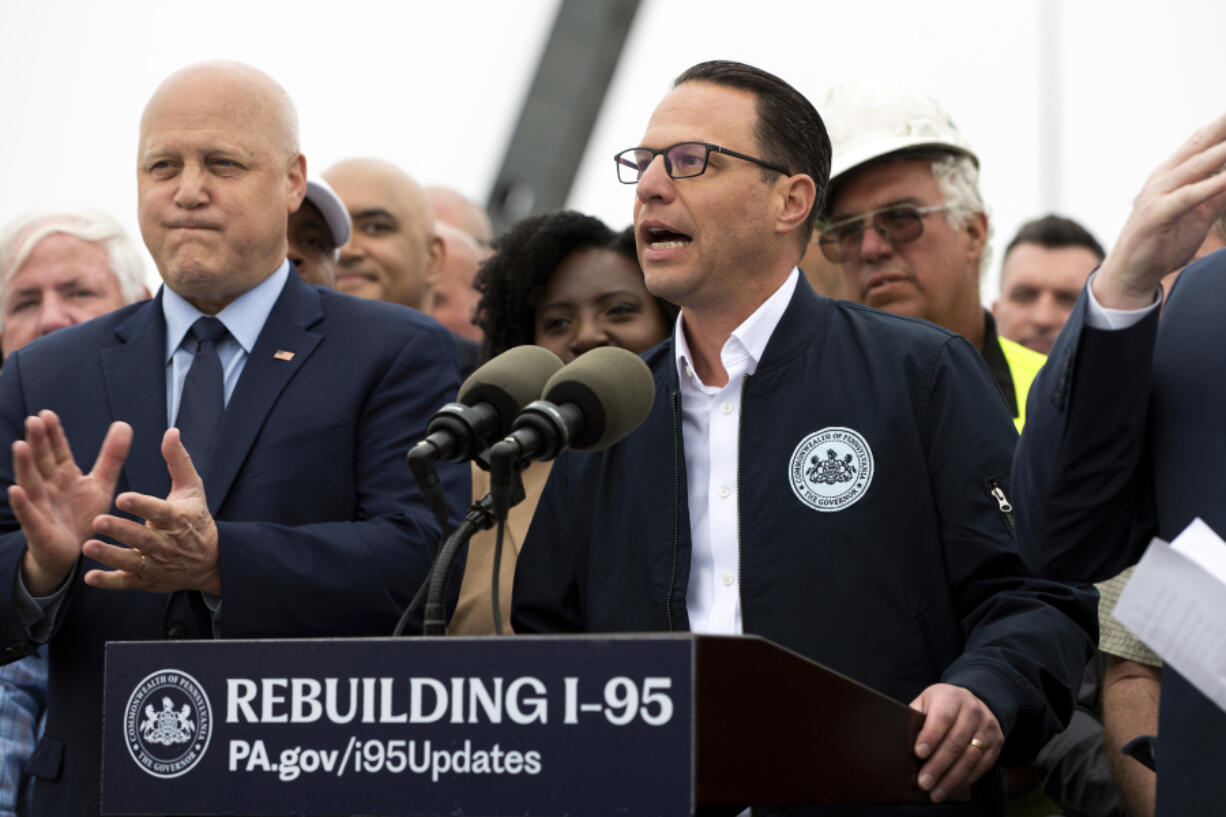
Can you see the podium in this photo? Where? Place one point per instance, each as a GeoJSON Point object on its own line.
{"type": "Point", "coordinates": [643, 724]}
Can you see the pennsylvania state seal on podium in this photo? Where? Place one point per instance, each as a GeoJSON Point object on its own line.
{"type": "Point", "coordinates": [167, 723]}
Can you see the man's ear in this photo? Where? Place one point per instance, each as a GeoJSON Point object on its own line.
{"type": "Point", "coordinates": [295, 182]}
{"type": "Point", "coordinates": [438, 259]}
{"type": "Point", "coordinates": [797, 196]}
{"type": "Point", "coordinates": [977, 234]}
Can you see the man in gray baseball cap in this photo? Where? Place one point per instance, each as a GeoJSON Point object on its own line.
{"type": "Point", "coordinates": [316, 232]}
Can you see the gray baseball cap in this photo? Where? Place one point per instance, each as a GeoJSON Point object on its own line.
{"type": "Point", "coordinates": [329, 204]}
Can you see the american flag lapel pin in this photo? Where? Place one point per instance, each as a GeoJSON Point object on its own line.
{"type": "Point", "coordinates": [283, 354]}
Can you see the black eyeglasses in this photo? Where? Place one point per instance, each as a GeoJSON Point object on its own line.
{"type": "Point", "coordinates": [897, 224]}
{"type": "Point", "coordinates": [683, 160]}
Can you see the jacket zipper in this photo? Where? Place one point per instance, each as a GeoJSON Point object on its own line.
{"type": "Point", "coordinates": [740, 431]}
{"type": "Point", "coordinates": [1003, 505]}
{"type": "Point", "coordinates": [672, 576]}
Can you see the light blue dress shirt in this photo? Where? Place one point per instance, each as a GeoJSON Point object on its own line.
{"type": "Point", "coordinates": [243, 317]}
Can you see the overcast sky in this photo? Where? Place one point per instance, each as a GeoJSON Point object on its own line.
{"type": "Point", "coordinates": [1070, 105]}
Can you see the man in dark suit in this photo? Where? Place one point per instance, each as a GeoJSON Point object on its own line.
{"type": "Point", "coordinates": [279, 502]}
{"type": "Point", "coordinates": [1124, 437]}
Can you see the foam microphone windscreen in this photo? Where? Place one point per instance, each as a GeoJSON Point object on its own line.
{"type": "Point", "coordinates": [510, 381]}
{"type": "Point", "coordinates": [612, 387]}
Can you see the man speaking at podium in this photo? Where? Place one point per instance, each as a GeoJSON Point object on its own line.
{"type": "Point", "coordinates": [279, 502]}
{"type": "Point", "coordinates": [816, 472]}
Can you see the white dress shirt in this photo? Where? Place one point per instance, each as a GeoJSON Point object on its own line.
{"type": "Point", "coordinates": [710, 425]}
{"type": "Point", "coordinates": [1102, 317]}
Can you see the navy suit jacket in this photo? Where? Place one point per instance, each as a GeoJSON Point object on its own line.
{"type": "Point", "coordinates": [321, 529]}
{"type": "Point", "coordinates": [1125, 439]}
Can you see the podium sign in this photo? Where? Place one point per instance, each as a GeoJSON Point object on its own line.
{"type": "Point", "coordinates": [648, 724]}
{"type": "Point", "coordinates": [424, 726]}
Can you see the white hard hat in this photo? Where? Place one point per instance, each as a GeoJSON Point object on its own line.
{"type": "Point", "coordinates": [867, 120]}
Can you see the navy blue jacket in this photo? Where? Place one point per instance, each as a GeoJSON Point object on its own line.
{"type": "Point", "coordinates": [915, 583]}
{"type": "Point", "coordinates": [321, 529]}
{"type": "Point", "coordinates": [1125, 441]}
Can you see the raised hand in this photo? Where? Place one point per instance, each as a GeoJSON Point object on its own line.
{"type": "Point", "coordinates": [54, 502]}
{"type": "Point", "coordinates": [176, 547]}
{"type": "Point", "coordinates": [1169, 220]}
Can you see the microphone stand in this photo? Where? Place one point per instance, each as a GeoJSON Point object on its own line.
{"type": "Point", "coordinates": [421, 459]}
{"type": "Point", "coordinates": [481, 516]}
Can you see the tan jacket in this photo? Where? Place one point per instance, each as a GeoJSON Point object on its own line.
{"type": "Point", "coordinates": [473, 613]}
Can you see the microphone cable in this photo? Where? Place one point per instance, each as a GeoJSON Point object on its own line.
{"type": "Point", "coordinates": [496, 576]}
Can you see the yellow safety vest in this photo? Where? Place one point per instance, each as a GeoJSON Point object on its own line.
{"type": "Point", "coordinates": [1024, 364]}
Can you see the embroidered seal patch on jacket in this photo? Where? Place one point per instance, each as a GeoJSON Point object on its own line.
{"type": "Point", "coordinates": [831, 469]}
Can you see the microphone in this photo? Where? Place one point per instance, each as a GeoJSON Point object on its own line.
{"type": "Point", "coordinates": [487, 404]}
{"type": "Point", "coordinates": [591, 403]}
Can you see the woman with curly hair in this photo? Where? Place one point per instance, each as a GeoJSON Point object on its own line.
{"type": "Point", "coordinates": [567, 282]}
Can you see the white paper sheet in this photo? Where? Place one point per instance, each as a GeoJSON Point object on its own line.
{"type": "Point", "coordinates": [1176, 603]}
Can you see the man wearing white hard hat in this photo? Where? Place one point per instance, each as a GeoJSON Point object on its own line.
{"type": "Point", "coordinates": [316, 233]}
{"type": "Point", "coordinates": [907, 222]}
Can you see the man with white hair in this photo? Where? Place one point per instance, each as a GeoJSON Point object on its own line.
{"type": "Point", "coordinates": [907, 222]}
{"type": "Point", "coordinates": [57, 268]}
{"type": "Point", "coordinates": [62, 268]}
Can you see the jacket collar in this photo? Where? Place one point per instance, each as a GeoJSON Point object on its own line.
{"type": "Point", "coordinates": [998, 365]}
{"type": "Point", "coordinates": [804, 322]}
{"type": "Point", "coordinates": [135, 375]}
{"type": "Point", "coordinates": [283, 346]}
{"type": "Point", "coordinates": [135, 369]}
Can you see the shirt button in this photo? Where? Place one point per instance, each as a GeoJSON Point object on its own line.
{"type": "Point", "coordinates": [724, 491]}
{"type": "Point", "coordinates": [729, 578]}
{"type": "Point", "coordinates": [725, 407]}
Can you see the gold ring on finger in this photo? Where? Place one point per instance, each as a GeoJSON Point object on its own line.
{"type": "Point", "coordinates": [978, 744]}
{"type": "Point", "coordinates": [144, 562]}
